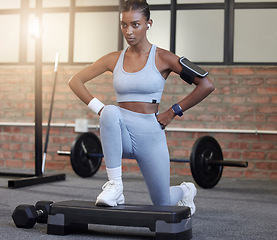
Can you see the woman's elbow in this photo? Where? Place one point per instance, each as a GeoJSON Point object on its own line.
{"type": "Point", "coordinates": [209, 85]}
{"type": "Point", "coordinates": [71, 82]}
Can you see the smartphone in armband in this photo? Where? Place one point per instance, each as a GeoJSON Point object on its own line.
{"type": "Point", "coordinates": [192, 67]}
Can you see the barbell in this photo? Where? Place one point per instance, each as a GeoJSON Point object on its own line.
{"type": "Point", "coordinates": [206, 159]}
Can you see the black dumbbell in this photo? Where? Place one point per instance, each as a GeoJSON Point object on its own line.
{"type": "Point", "coordinates": [26, 216]}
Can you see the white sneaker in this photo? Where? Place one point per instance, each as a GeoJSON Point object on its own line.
{"type": "Point", "coordinates": [111, 195]}
{"type": "Point", "coordinates": [188, 199]}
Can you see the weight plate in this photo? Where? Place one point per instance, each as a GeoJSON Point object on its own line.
{"type": "Point", "coordinates": [83, 164]}
{"type": "Point", "coordinates": [206, 175]}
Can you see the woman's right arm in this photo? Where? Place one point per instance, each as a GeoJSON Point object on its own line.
{"type": "Point", "coordinates": [77, 82]}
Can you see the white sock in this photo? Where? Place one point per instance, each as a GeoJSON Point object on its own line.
{"type": "Point", "coordinates": [115, 174]}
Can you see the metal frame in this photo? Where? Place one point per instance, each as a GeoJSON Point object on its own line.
{"type": "Point", "coordinates": [228, 6]}
{"type": "Point", "coordinates": [38, 177]}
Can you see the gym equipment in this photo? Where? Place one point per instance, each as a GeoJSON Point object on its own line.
{"type": "Point", "coordinates": [26, 216]}
{"type": "Point", "coordinates": [38, 177]}
{"type": "Point", "coordinates": [85, 146]}
{"type": "Point", "coordinates": [206, 159]}
{"type": "Point", "coordinates": [168, 222]}
{"type": "Point", "coordinates": [50, 112]}
{"type": "Point", "coordinates": [204, 172]}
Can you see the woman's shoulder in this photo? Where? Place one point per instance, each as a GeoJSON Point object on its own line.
{"type": "Point", "coordinates": [113, 55]}
{"type": "Point", "coordinates": [168, 58]}
{"type": "Point", "coordinates": [110, 59]}
{"type": "Point", "coordinates": [165, 54]}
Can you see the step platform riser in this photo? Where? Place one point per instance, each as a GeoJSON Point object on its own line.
{"type": "Point", "coordinates": [168, 222]}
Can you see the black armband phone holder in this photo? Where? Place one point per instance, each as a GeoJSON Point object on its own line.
{"type": "Point", "coordinates": [190, 70]}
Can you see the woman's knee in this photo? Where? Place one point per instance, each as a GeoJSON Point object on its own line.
{"type": "Point", "coordinates": [109, 115]}
{"type": "Point", "coordinates": [110, 109]}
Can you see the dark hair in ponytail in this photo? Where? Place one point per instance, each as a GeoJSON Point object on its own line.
{"type": "Point", "coordinates": [141, 5]}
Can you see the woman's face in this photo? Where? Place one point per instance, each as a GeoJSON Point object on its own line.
{"type": "Point", "coordinates": [133, 26]}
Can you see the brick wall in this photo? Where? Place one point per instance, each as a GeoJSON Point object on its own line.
{"type": "Point", "coordinates": [245, 98]}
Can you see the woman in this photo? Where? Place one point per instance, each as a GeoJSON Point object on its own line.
{"type": "Point", "coordinates": [134, 129]}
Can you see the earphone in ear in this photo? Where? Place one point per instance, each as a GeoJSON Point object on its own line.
{"type": "Point", "coordinates": [148, 26]}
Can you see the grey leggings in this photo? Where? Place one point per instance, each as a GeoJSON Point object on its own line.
{"type": "Point", "coordinates": [129, 134]}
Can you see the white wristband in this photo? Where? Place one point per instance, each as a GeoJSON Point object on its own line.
{"type": "Point", "coordinates": [95, 105]}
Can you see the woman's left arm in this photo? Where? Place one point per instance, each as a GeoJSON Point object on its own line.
{"type": "Point", "coordinates": [203, 87]}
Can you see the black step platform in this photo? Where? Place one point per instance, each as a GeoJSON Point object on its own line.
{"type": "Point", "coordinates": [168, 222]}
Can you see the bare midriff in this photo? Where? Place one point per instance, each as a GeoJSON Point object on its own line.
{"type": "Point", "coordinates": [140, 107]}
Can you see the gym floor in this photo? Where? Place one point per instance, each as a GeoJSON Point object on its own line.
{"type": "Point", "coordinates": [234, 209]}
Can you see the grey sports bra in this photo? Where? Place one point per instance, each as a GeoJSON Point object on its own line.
{"type": "Point", "coordinates": [146, 85]}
